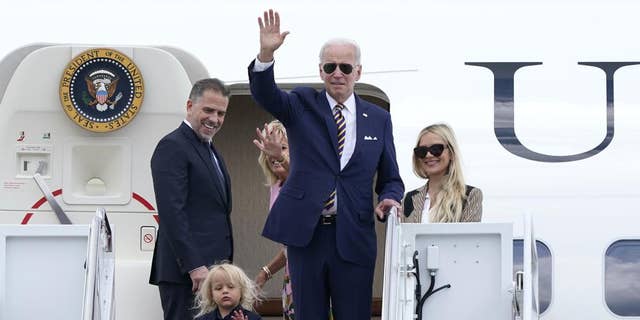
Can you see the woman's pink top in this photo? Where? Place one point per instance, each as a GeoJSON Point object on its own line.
{"type": "Point", "coordinates": [275, 190]}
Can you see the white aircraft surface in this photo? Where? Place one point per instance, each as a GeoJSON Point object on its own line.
{"type": "Point", "coordinates": [543, 96]}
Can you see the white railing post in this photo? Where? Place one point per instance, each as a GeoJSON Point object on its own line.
{"type": "Point", "coordinates": [100, 270]}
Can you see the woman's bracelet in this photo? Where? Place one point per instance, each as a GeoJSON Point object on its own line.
{"type": "Point", "coordinates": [267, 271]}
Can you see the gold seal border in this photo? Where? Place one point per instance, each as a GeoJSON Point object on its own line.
{"type": "Point", "coordinates": [65, 90]}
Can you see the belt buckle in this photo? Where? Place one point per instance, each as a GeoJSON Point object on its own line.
{"type": "Point", "coordinates": [327, 219]}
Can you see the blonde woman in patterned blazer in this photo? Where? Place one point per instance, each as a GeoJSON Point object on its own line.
{"type": "Point", "coordinates": [445, 197]}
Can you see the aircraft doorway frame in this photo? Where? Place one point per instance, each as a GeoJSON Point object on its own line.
{"type": "Point", "coordinates": [250, 195]}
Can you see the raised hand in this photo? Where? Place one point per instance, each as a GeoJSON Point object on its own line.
{"type": "Point", "coordinates": [270, 37]}
{"type": "Point", "coordinates": [270, 142]}
{"type": "Point", "coordinates": [239, 315]}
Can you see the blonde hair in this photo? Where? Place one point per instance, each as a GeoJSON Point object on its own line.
{"type": "Point", "coordinates": [249, 292]}
{"type": "Point", "coordinates": [263, 159]}
{"type": "Point", "coordinates": [450, 200]}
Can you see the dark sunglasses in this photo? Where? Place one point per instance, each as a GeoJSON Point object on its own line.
{"type": "Point", "coordinates": [330, 67]}
{"type": "Point", "coordinates": [436, 150]}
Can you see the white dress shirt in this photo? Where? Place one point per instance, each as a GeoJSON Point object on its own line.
{"type": "Point", "coordinates": [425, 209]}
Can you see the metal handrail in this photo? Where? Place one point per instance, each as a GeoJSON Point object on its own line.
{"type": "Point", "coordinates": [98, 303]}
{"type": "Point", "coordinates": [53, 203]}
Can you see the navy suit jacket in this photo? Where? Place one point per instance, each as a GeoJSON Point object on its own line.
{"type": "Point", "coordinates": [195, 227]}
{"type": "Point", "coordinates": [315, 169]}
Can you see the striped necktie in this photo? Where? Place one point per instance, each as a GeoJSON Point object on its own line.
{"type": "Point", "coordinates": [341, 125]}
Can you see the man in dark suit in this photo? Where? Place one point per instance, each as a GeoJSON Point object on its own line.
{"type": "Point", "coordinates": [193, 195]}
{"type": "Point", "coordinates": [324, 213]}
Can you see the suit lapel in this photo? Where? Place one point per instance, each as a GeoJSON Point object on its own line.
{"type": "Point", "coordinates": [225, 174]}
{"type": "Point", "coordinates": [205, 156]}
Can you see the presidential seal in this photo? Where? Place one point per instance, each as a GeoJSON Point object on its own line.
{"type": "Point", "coordinates": [101, 90]}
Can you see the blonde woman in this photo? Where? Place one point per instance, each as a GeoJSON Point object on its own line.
{"type": "Point", "coordinates": [274, 161]}
{"type": "Point", "coordinates": [445, 197]}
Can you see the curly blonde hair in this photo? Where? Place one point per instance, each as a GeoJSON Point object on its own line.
{"type": "Point", "coordinates": [450, 200]}
{"type": "Point", "coordinates": [249, 292]}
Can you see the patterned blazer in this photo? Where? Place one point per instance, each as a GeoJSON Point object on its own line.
{"type": "Point", "coordinates": [413, 203]}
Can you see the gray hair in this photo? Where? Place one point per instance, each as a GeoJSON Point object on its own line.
{"type": "Point", "coordinates": [340, 41]}
{"type": "Point", "coordinates": [213, 84]}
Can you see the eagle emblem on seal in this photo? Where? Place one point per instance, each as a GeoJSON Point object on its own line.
{"type": "Point", "coordinates": [102, 85]}
{"type": "Point", "coordinates": [101, 90]}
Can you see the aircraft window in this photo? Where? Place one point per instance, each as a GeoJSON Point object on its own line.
{"type": "Point", "coordinates": [544, 271]}
{"type": "Point", "coordinates": [621, 278]}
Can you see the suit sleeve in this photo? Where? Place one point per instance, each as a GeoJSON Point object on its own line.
{"type": "Point", "coordinates": [389, 184]}
{"type": "Point", "coordinates": [267, 94]}
{"type": "Point", "coordinates": [169, 168]}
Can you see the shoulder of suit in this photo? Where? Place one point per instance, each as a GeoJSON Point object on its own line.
{"type": "Point", "coordinates": [306, 91]}
{"type": "Point", "coordinates": [372, 108]}
{"type": "Point", "coordinates": [307, 95]}
{"type": "Point", "coordinates": [411, 193]}
{"type": "Point", "coordinates": [407, 203]}
{"type": "Point", "coordinates": [473, 191]}
{"type": "Point", "coordinates": [364, 101]}
{"type": "Point", "coordinates": [177, 136]}
{"type": "Point", "coordinates": [470, 188]}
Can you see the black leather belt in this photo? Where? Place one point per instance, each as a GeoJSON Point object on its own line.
{"type": "Point", "coordinates": [328, 219]}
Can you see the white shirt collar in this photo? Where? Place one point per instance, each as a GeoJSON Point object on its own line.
{"type": "Point", "coordinates": [349, 104]}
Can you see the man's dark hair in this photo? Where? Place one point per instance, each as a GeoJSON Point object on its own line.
{"type": "Point", "coordinates": [212, 84]}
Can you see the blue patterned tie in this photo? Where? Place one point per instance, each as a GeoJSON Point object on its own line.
{"type": "Point", "coordinates": [341, 125]}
